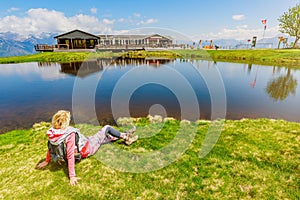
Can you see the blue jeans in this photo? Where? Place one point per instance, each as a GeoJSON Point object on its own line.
{"type": "Point", "coordinates": [111, 131]}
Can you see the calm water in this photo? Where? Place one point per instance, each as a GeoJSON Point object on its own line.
{"type": "Point", "coordinates": [102, 90]}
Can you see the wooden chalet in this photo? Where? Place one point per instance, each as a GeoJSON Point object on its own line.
{"type": "Point", "coordinates": [77, 39]}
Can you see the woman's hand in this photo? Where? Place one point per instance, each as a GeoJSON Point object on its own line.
{"type": "Point", "coordinates": [41, 165]}
{"type": "Point", "coordinates": [74, 180]}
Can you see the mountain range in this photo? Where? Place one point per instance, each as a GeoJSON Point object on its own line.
{"type": "Point", "coordinates": [13, 44]}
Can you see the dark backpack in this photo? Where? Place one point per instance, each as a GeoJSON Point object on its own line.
{"type": "Point", "coordinates": [58, 152]}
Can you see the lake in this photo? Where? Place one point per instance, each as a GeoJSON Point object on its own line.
{"type": "Point", "coordinates": [101, 90]}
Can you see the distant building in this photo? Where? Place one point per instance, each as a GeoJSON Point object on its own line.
{"type": "Point", "coordinates": [154, 40]}
{"type": "Point", "coordinates": [80, 40]}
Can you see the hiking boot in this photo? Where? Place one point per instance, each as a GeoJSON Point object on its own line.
{"type": "Point", "coordinates": [130, 132]}
{"type": "Point", "coordinates": [131, 139]}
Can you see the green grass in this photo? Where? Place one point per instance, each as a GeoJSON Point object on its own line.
{"type": "Point", "coordinates": [253, 159]}
{"type": "Point", "coordinates": [46, 57]}
{"type": "Point", "coordinates": [81, 56]}
{"type": "Point", "coordinates": [145, 54]}
{"type": "Point", "coordinates": [286, 57]}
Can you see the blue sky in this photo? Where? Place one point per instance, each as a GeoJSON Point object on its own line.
{"type": "Point", "coordinates": [209, 19]}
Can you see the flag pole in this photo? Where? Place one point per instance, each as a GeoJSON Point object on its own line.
{"type": "Point", "coordinates": [264, 22]}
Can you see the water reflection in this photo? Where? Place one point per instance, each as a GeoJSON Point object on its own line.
{"type": "Point", "coordinates": [89, 67]}
{"type": "Point", "coordinates": [281, 87]}
{"type": "Point", "coordinates": [86, 68]}
{"type": "Point", "coordinates": [32, 92]}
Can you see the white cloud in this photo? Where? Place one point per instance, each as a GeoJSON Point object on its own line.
{"type": "Point", "coordinates": [41, 20]}
{"type": "Point", "coordinates": [147, 22]}
{"type": "Point", "coordinates": [238, 17]}
{"type": "Point", "coordinates": [38, 21]}
{"type": "Point", "coordinates": [135, 20]}
{"type": "Point", "coordinates": [121, 20]}
{"type": "Point", "coordinates": [107, 21]}
{"type": "Point", "coordinates": [121, 32]}
{"type": "Point", "coordinates": [242, 26]}
{"type": "Point", "coordinates": [137, 14]}
{"type": "Point", "coordinates": [13, 9]}
{"type": "Point", "coordinates": [93, 10]}
{"type": "Point", "coordinates": [27, 69]}
{"type": "Point", "coordinates": [241, 33]}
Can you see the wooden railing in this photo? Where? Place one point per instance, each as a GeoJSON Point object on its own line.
{"type": "Point", "coordinates": [44, 47]}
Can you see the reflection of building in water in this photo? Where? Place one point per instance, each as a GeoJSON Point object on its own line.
{"type": "Point", "coordinates": [83, 69]}
{"type": "Point", "coordinates": [47, 64]}
{"type": "Point", "coordinates": [141, 61]}
{"type": "Point", "coordinates": [157, 61]}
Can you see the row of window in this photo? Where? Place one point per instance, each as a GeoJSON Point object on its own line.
{"type": "Point", "coordinates": [81, 43]}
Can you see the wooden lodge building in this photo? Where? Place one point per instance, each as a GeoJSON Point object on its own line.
{"type": "Point", "coordinates": [78, 40]}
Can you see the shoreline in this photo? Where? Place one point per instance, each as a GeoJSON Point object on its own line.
{"type": "Point", "coordinates": [272, 57]}
{"type": "Point", "coordinates": [127, 121]}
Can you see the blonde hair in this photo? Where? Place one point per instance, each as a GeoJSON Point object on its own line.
{"type": "Point", "coordinates": [61, 119]}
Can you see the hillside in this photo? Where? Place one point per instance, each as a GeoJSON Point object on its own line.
{"type": "Point", "coordinates": [253, 159]}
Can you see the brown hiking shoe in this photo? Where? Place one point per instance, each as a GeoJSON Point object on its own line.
{"type": "Point", "coordinates": [131, 139]}
{"type": "Point", "coordinates": [130, 132]}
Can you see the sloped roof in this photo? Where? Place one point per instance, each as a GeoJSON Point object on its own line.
{"type": "Point", "coordinates": [163, 36]}
{"type": "Point", "coordinates": [77, 34]}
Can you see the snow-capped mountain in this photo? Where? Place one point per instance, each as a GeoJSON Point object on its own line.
{"type": "Point", "coordinates": [12, 44]}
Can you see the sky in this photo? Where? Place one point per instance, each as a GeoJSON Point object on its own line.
{"type": "Point", "coordinates": [196, 19]}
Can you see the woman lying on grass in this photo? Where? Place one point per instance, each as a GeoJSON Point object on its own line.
{"type": "Point", "coordinates": [86, 146]}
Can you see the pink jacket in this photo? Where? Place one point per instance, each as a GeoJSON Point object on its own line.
{"type": "Point", "coordinates": [56, 134]}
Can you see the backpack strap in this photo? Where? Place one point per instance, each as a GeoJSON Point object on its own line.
{"type": "Point", "coordinates": [77, 154]}
{"type": "Point", "coordinates": [58, 149]}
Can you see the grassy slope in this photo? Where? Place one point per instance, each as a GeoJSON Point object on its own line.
{"type": "Point", "coordinates": [46, 57]}
{"type": "Point", "coordinates": [287, 57]}
{"type": "Point", "coordinates": [253, 159]}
